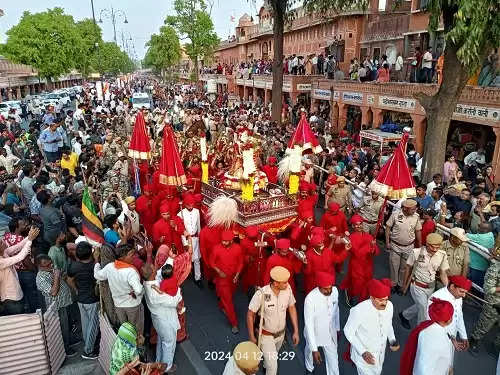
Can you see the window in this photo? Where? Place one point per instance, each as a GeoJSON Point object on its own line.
{"type": "Point", "coordinates": [382, 5]}
{"type": "Point", "coordinates": [376, 53]}
{"type": "Point", "coordinates": [363, 53]}
{"type": "Point", "coordinates": [422, 4]}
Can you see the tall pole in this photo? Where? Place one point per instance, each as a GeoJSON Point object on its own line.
{"type": "Point", "coordinates": [113, 19]}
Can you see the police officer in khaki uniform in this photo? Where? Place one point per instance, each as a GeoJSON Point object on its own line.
{"type": "Point", "coordinates": [402, 235]}
{"type": "Point", "coordinates": [369, 211]}
{"type": "Point", "coordinates": [421, 268]}
{"type": "Point", "coordinates": [341, 194]}
{"type": "Point", "coordinates": [272, 302]}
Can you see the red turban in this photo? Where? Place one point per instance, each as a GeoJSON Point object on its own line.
{"type": "Point", "coordinates": [271, 160]}
{"type": "Point", "coordinates": [164, 208]}
{"type": "Point", "coordinates": [305, 213]}
{"type": "Point", "coordinates": [147, 188]}
{"type": "Point", "coordinates": [379, 288]}
{"type": "Point", "coordinates": [333, 206]}
{"type": "Point", "coordinates": [317, 231]}
{"type": "Point", "coordinates": [332, 180]}
{"type": "Point", "coordinates": [440, 310]}
{"type": "Point", "coordinates": [195, 170]}
{"type": "Point", "coordinates": [198, 198]}
{"type": "Point", "coordinates": [356, 219]}
{"type": "Point", "coordinates": [252, 231]}
{"type": "Point", "coordinates": [304, 186]}
{"type": "Point", "coordinates": [189, 199]}
{"type": "Point", "coordinates": [316, 240]}
{"type": "Point", "coordinates": [227, 235]}
{"type": "Point", "coordinates": [311, 187]}
{"type": "Point", "coordinates": [283, 244]}
{"type": "Point", "coordinates": [460, 281]}
{"type": "Point", "coordinates": [324, 279]}
{"type": "Point", "coordinates": [171, 190]}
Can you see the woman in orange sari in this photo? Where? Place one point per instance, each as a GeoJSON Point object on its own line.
{"type": "Point", "coordinates": [182, 268]}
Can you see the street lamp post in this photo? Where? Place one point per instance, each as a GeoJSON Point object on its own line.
{"type": "Point", "coordinates": [113, 14]}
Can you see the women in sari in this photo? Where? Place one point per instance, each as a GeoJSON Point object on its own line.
{"type": "Point", "coordinates": [182, 268]}
{"type": "Point", "coordinates": [124, 349]}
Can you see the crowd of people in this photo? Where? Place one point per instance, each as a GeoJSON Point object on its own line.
{"type": "Point", "coordinates": [70, 171]}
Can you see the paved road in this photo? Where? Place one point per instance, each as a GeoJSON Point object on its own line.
{"type": "Point", "coordinates": [210, 333]}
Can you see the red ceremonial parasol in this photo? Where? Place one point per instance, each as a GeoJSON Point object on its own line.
{"type": "Point", "coordinates": [394, 180]}
{"type": "Point", "coordinates": [304, 137]}
{"type": "Point", "coordinates": [139, 143]}
{"type": "Point", "coordinates": [171, 169]}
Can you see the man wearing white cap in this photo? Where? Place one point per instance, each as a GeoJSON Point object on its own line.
{"type": "Point", "coordinates": [272, 302]}
{"type": "Point", "coordinates": [322, 324]}
{"type": "Point", "coordinates": [244, 361]}
{"type": "Point", "coordinates": [129, 214]}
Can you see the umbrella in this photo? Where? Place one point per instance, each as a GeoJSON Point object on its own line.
{"type": "Point", "coordinates": [394, 180]}
{"type": "Point", "coordinates": [139, 143]}
{"type": "Point", "coordinates": [304, 138]}
{"type": "Point", "coordinates": [171, 169]}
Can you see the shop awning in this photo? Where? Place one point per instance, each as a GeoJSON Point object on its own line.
{"type": "Point", "coordinates": [380, 136]}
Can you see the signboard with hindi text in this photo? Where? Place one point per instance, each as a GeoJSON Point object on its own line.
{"type": "Point", "coordinates": [287, 87]}
{"type": "Point", "coordinates": [322, 94]}
{"type": "Point", "coordinates": [475, 112]}
{"type": "Point", "coordinates": [397, 103]}
{"type": "Point", "coordinates": [303, 87]}
{"type": "Point", "coordinates": [352, 97]}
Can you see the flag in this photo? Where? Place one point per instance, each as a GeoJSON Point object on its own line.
{"type": "Point", "coordinates": [137, 184]}
{"type": "Point", "coordinates": [91, 224]}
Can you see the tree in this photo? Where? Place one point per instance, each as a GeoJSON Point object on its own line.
{"type": "Point", "coordinates": [111, 59]}
{"type": "Point", "coordinates": [48, 41]}
{"type": "Point", "coordinates": [194, 23]}
{"type": "Point", "coordinates": [90, 36]}
{"type": "Point", "coordinates": [471, 28]}
{"type": "Point", "coordinates": [164, 49]}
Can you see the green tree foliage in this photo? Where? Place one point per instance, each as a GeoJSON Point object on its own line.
{"type": "Point", "coordinates": [164, 49]}
{"type": "Point", "coordinates": [90, 34]}
{"type": "Point", "coordinates": [110, 59]}
{"type": "Point", "coordinates": [193, 22]}
{"type": "Point", "coordinates": [48, 41]}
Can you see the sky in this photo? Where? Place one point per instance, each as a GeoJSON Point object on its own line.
{"type": "Point", "coordinates": [145, 17]}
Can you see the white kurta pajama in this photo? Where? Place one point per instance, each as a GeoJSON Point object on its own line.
{"type": "Point", "coordinates": [231, 368]}
{"type": "Point", "coordinates": [163, 309]}
{"type": "Point", "coordinates": [433, 355]}
{"type": "Point", "coordinates": [321, 324]}
{"type": "Point", "coordinates": [192, 225]}
{"type": "Point", "coordinates": [457, 325]}
{"type": "Point", "coordinates": [368, 329]}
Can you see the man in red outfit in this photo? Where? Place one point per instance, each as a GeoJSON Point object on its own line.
{"type": "Point", "coordinates": [147, 208]}
{"type": "Point", "coordinates": [320, 259]}
{"type": "Point", "coordinates": [170, 197]}
{"type": "Point", "coordinates": [227, 262]}
{"type": "Point", "coordinates": [307, 196]}
{"type": "Point", "coordinates": [283, 257]}
{"type": "Point", "coordinates": [168, 229]}
{"type": "Point", "coordinates": [360, 269]}
{"type": "Point", "coordinates": [301, 229]}
{"type": "Point", "coordinates": [271, 170]}
{"type": "Point", "coordinates": [255, 259]}
{"type": "Point", "coordinates": [335, 223]}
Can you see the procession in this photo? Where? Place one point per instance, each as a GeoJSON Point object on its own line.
{"type": "Point", "coordinates": [156, 221]}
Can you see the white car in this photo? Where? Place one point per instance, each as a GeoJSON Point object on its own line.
{"type": "Point", "coordinates": [64, 96]}
{"type": "Point", "coordinates": [140, 100]}
{"type": "Point", "coordinates": [6, 106]}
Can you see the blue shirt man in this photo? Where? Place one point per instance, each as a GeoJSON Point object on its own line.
{"type": "Point", "coordinates": [50, 139]}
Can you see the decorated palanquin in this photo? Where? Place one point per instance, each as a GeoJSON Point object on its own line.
{"type": "Point", "coordinates": [272, 212]}
{"type": "Point", "coordinates": [259, 202]}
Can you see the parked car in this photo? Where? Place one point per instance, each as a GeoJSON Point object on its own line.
{"type": "Point", "coordinates": [64, 96]}
{"type": "Point", "coordinates": [6, 106]}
